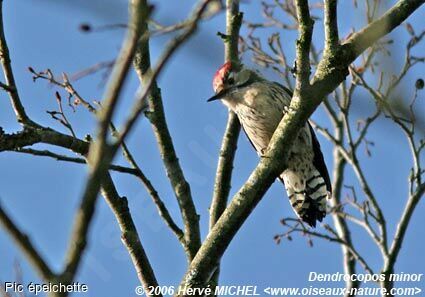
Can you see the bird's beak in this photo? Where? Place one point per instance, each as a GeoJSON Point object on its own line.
{"type": "Point", "coordinates": [220, 94]}
{"type": "Point", "coordinates": [215, 97]}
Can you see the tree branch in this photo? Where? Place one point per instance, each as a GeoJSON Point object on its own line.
{"type": "Point", "coordinates": [341, 226]}
{"type": "Point", "coordinates": [305, 29]}
{"type": "Point", "coordinates": [10, 85]}
{"type": "Point", "coordinates": [229, 143]}
{"type": "Point", "coordinates": [363, 39]}
{"type": "Point", "coordinates": [331, 26]}
{"type": "Point", "coordinates": [129, 234]}
{"type": "Point", "coordinates": [224, 168]}
{"type": "Point", "coordinates": [100, 153]}
{"type": "Point", "coordinates": [157, 118]}
{"type": "Point", "coordinates": [138, 15]}
{"type": "Point", "coordinates": [411, 204]}
{"type": "Point", "coordinates": [25, 244]}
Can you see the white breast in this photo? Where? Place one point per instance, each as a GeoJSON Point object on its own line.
{"type": "Point", "coordinates": [259, 114]}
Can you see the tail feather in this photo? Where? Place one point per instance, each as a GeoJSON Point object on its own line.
{"type": "Point", "coordinates": [307, 195]}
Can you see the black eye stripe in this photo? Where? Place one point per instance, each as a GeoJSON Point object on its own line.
{"type": "Point", "coordinates": [231, 80]}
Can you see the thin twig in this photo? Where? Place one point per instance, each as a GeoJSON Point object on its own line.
{"type": "Point", "coordinates": [59, 157]}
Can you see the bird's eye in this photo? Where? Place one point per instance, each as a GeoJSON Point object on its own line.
{"type": "Point", "coordinates": [230, 80]}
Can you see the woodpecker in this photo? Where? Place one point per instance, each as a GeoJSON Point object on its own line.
{"type": "Point", "coordinates": [260, 105]}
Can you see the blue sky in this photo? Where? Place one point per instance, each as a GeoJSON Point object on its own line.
{"type": "Point", "coordinates": [42, 194]}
